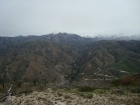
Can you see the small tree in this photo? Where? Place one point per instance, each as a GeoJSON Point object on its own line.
{"type": "Point", "coordinates": [19, 83]}
{"type": "Point", "coordinates": [34, 82]}
{"type": "Point", "coordinates": [3, 85]}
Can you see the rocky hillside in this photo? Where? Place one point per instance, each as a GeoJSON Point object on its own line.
{"type": "Point", "coordinates": [73, 97]}
{"type": "Point", "coordinates": [112, 58]}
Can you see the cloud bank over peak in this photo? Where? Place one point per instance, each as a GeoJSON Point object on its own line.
{"type": "Point", "coordinates": [90, 17]}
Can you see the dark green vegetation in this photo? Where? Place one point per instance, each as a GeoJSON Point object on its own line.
{"type": "Point", "coordinates": [86, 89]}
{"type": "Point", "coordinates": [56, 58]}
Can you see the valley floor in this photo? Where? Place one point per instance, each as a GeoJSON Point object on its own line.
{"type": "Point", "coordinates": [73, 97]}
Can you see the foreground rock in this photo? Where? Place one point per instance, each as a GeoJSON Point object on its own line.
{"type": "Point", "coordinates": [62, 97]}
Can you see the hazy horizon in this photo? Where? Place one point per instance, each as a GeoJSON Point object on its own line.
{"type": "Point", "coordinates": [85, 18]}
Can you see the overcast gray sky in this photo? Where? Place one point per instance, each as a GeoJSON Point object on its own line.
{"type": "Point", "coordinates": [83, 17]}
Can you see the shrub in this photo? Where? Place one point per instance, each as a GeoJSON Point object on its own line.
{"type": "Point", "coordinates": [136, 90]}
{"type": "Point", "coordinates": [127, 80]}
{"type": "Point", "coordinates": [85, 95]}
{"type": "Point", "coordinates": [19, 83]}
{"type": "Point", "coordinates": [81, 94]}
{"type": "Point", "coordinates": [86, 89]}
{"type": "Point", "coordinates": [116, 82]}
{"type": "Point", "coordinates": [102, 91]}
{"type": "Point", "coordinates": [89, 95]}
{"type": "Point", "coordinates": [133, 83]}
{"type": "Point", "coordinates": [27, 91]}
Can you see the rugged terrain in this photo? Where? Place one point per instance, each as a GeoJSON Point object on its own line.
{"type": "Point", "coordinates": [61, 57]}
{"type": "Point", "coordinates": [74, 97]}
{"type": "Point", "coordinates": [64, 63]}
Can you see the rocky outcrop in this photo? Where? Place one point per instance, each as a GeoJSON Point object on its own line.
{"type": "Point", "coordinates": [61, 97]}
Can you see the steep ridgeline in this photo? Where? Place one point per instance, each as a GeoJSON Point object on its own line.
{"type": "Point", "coordinates": [51, 38]}
{"type": "Point", "coordinates": [44, 59]}
{"type": "Point", "coordinates": [39, 61]}
{"type": "Point", "coordinates": [56, 58]}
{"type": "Point", "coordinates": [108, 60]}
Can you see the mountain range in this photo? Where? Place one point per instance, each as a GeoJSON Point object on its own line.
{"type": "Point", "coordinates": [55, 58]}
